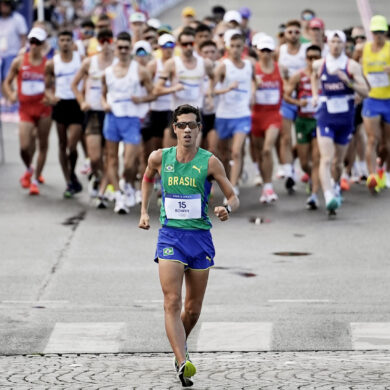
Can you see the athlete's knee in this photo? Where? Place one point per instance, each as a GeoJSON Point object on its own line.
{"type": "Point", "coordinates": [172, 303]}
{"type": "Point", "coordinates": [236, 154]}
{"type": "Point", "coordinates": [266, 152]}
{"type": "Point", "coordinates": [192, 311]}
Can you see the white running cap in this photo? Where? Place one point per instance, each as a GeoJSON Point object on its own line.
{"type": "Point", "coordinates": [232, 16]}
{"type": "Point", "coordinates": [266, 42]}
{"type": "Point", "coordinates": [37, 33]}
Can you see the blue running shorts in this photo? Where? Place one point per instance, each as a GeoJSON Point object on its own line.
{"type": "Point", "coordinates": [340, 133]}
{"type": "Point", "coordinates": [288, 111]}
{"type": "Point", "coordinates": [376, 107]}
{"type": "Point", "coordinates": [193, 248]}
{"type": "Point", "coordinates": [227, 127]}
{"type": "Point", "coordinates": [124, 128]}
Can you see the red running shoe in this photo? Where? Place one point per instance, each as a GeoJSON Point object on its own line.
{"type": "Point", "coordinates": [25, 180]}
{"type": "Point", "coordinates": [34, 189]}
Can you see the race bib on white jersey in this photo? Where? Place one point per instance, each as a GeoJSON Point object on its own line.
{"type": "Point", "coordinates": [309, 108]}
{"type": "Point", "coordinates": [378, 79]}
{"type": "Point", "coordinates": [337, 105]}
{"type": "Point", "coordinates": [179, 206]}
{"type": "Point", "coordinates": [267, 96]}
{"type": "Point", "coordinates": [190, 92]}
{"type": "Point", "coordinates": [33, 87]}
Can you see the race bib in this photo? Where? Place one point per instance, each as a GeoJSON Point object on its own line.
{"type": "Point", "coordinates": [33, 87]}
{"type": "Point", "coordinates": [309, 108]}
{"type": "Point", "coordinates": [179, 206]}
{"type": "Point", "coordinates": [3, 44]}
{"type": "Point", "coordinates": [234, 97]}
{"type": "Point", "coordinates": [95, 96]}
{"type": "Point", "coordinates": [378, 79]}
{"type": "Point", "coordinates": [190, 92]}
{"type": "Point", "coordinates": [267, 96]}
{"type": "Point", "coordinates": [337, 105]}
{"type": "Point", "coordinates": [123, 107]}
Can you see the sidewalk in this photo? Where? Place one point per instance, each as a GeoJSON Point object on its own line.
{"type": "Point", "coordinates": [284, 370]}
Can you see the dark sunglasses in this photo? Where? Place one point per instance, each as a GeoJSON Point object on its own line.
{"type": "Point", "coordinates": [379, 32]}
{"type": "Point", "coordinates": [88, 33]}
{"type": "Point", "coordinates": [168, 45]}
{"type": "Point", "coordinates": [307, 17]}
{"type": "Point", "coordinates": [123, 48]}
{"type": "Point", "coordinates": [265, 50]}
{"type": "Point", "coordinates": [311, 58]}
{"type": "Point", "coordinates": [183, 125]}
{"type": "Point", "coordinates": [141, 53]}
{"type": "Point", "coordinates": [187, 44]}
{"type": "Point", "coordinates": [359, 37]}
{"type": "Point", "coordinates": [296, 32]}
{"type": "Point", "coordinates": [34, 41]}
{"type": "Point", "coordinates": [104, 40]}
{"type": "Point", "coordinates": [150, 38]}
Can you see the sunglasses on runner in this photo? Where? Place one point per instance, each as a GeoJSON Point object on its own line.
{"type": "Point", "coordinates": [312, 58]}
{"type": "Point", "coordinates": [296, 32]}
{"type": "Point", "coordinates": [363, 37]}
{"type": "Point", "coordinates": [183, 125]}
{"type": "Point", "coordinates": [34, 41]}
{"type": "Point", "coordinates": [123, 48]}
{"type": "Point", "coordinates": [187, 44]}
{"type": "Point", "coordinates": [104, 40]}
{"type": "Point", "coordinates": [168, 45]}
{"type": "Point", "coordinates": [307, 17]}
{"type": "Point", "coordinates": [379, 32]}
{"type": "Point", "coordinates": [88, 33]}
{"type": "Point", "coordinates": [265, 51]}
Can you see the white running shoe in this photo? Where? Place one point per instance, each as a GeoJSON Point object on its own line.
{"type": "Point", "coordinates": [129, 195]}
{"type": "Point", "coordinates": [257, 181]}
{"type": "Point", "coordinates": [280, 173]}
{"type": "Point", "coordinates": [268, 196]}
{"type": "Point", "coordinates": [138, 197]}
{"type": "Point", "coordinates": [86, 168]}
{"type": "Point", "coordinates": [120, 206]}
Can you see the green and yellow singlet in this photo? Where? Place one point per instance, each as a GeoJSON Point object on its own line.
{"type": "Point", "coordinates": [185, 191]}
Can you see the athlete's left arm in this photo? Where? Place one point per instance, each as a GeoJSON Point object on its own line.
{"type": "Point", "coordinates": [146, 81]}
{"type": "Point", "coordinates": [217, 171]}
{"type": "Point", "coordinates": [209, 69]}
{"type": "Point", "coordinates": [253, 85]}
{"type": "Point", "coordinates": [357, 82]}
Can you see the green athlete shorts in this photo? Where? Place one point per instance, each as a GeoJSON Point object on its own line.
{"type": "Point", "coordinates": [305, 129]}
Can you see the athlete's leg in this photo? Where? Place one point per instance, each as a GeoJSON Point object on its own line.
{"type": "Point", "coordinates": [237, 145]}
{"type": "Point", "coordinates": [168, 139]}
{"type": "Point", "coordinates": [196, 283]}
{"type": "Point", "coordinates": [94, 149]}
{"type": "Point", "coordinates": [286, 155]}
{"type": "Point", "coordinates": [315, 165]}
{"type": "Point", "coordinates": [212, 142]}
{"type": "Point", "coordinates": [338, 161]}
{"type": "Point", "coordinates": [171, 279]}
{"type": "Point", "coordinates": [112, 163]}
{"type": "Point", "coordinates": [129, 163]}
{"type": "Point", "coordinates": [74, 136]}
{"type": "Point", "coordinates": [271, 136]}
{"type": "Point", "coordinates": [327, 151]}
{"type": "Point", "coordinates": [224, 153]}
{"type": "Point", "coordinates": [26, 139]}
{"type": "Point", "coordinates": [304, 157]}
{"type": "Point", "coordinates": [373, 131]}
{"type": "Point", "coordinates": [62, 153]}
{"type": "Point", "coordinates": [44, 125]}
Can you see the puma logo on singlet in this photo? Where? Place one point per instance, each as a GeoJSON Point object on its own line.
{"type": "Point", "coordinates": [195, 167]}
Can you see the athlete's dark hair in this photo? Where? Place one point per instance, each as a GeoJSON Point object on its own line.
{"type": "Point", "coordinates": [202, 27]}
{"type": "Point", "coordinates": [313, 47]}
{"type": "Point", "coordinates": [294, 22]}
{"type": "Point", "coordinates": [186, 109]}
{"type": "Point", "coordinates": [207, 43]}
{"type": "Point", "coordinates": [87, 23]}
{"type": "Point", "coordinates": [106, 33]}
{"type": "Point", "coordinates": [123, 36]}
{"type": "Point", "coordinates": [186, 31]}
{"type": "Point", "coordinates": [237, 36]}
{"type": "Point", "coordinates": [65, 31]}
{"type": "Point", "coordinates": [149, 28]}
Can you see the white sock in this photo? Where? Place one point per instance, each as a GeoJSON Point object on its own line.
{"type": "Point", "coordinates": [35, 181]}
{"type": "Point", "coordinates": [288, 170]}
{"type": "Point", "coordinates": [362, 168]}
{"type": "Point", "coordinates": [328, 195]}
{"type": "Point", "coordinates": [267, 186]}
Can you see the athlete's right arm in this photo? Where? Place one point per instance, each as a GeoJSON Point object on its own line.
{"type": "Point", "coordinates": [81, 75]}
{"type": "Point", "coordinates": [290, 87]}
{"type": "Point", "coordinates": [49, 83]}
{"type": "Point", "coordinates": [314, 80]}
{"type": "Point", "coordinates": [167, 74]}
{"type": "Point", "coordinates": [106, 106]}
{"type": "Point", "coordinates": [219, 77]}
{"type": "Point", "coordinates": [153, 167]}
{"type": "Point", "coordinates": [12, 95]}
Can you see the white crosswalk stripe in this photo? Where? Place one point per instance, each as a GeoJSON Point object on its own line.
{"type": "Point", "coordinates": [370, 335]}
{"type": "Point", "coordinates": [235, 336]}
{"type": "Point", "coordinates": [83, 337]}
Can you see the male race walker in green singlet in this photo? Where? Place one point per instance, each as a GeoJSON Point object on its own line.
{"type": "Point", "coordinates": [185, 248]}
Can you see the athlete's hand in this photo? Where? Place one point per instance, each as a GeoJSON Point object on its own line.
{"type": "Point", "coordinates": [233, 85]}
{"type": "Point", "coordinates": [303, 103]}
{"type": "Point", "coordinates": [144, 221]}
{"type": "Point", "coordinates": [387, 69]}
{"type": "Point", "coordinates": [106, 107]}
{"type": "Point", "coordinates": [53, 100]}
{"type": "Point", "coordinates": [137, 99]}
{"type": "Point", "coordinates": [259, 79]}
{"type": "Point", "coordinates": [13, 98]}
{"type": "Point", "coordinates": [343, 77]}
{"type": "Point", "coordinates": [221, 213]}
{"type": "Point", "coordinates": [314, 101]}
{"type": "Point", "coordinates": [178, 87]}
{"type": "Point", "coordinates": [85, 106]}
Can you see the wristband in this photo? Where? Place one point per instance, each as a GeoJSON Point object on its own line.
{"type": "Point", "coordinates": [148, 180]}
{"type": "Point", "coordinates": [228, 208]}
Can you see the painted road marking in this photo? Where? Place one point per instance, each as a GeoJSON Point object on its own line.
{"type": "Point", "coordinates": [86, 337]}
{"type": "Point", "coordinates": [299, 300]}
{"type": "Point", "coordinates": [235, 336]}
{"type": "Point", "coordinates": [370, 335]}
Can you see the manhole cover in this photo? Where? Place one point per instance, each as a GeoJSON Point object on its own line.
{"type": "Point", "coordinates": [292, 253]}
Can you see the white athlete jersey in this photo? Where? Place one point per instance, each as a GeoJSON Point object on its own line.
{"type": "Point", "coordinates": [192, 80]}
{"type": "Point", "coordinates": [93, 85]}
{"type": "Point", "coordinates": [235, 103]}
{"type": "Point", "coordinates": [120, 90]}
{"type": "Point", "coordinates": [293, 62]}
{"type": "Point", "coordinates": [64, 74]}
